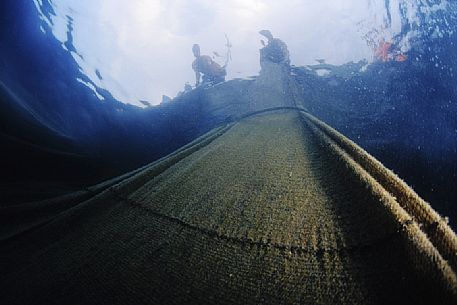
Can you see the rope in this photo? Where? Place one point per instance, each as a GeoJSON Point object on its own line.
{"type": "Point", "coordinates": [395, 234]}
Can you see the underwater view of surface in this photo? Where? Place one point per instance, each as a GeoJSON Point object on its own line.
{"type": "Point", "coordinates": [91, 90]}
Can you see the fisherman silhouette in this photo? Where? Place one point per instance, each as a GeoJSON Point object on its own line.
{"type": "Point", "coordinates": [275, 51]}
{"type": "Point", "coordinates": [212, 72]}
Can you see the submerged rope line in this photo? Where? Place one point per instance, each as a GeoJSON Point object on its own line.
{"type": "Point", "coordinates": [429, 221]}
{"type": "Point", "coordinates": [401, 228]}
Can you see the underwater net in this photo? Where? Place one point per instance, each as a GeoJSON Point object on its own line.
{"type": "Point", "coordinates": [276, 207]}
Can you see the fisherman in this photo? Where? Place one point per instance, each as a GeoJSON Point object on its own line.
{"type": "Point", "coordinates": [203, 64]}
{"type": "Point", "coordinates": [386, 51]}
{"type": "Point", "coordinates": [275, 51]}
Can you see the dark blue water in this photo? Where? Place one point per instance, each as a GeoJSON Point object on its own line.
{"type": "Point", "coordinates": [57, 136]}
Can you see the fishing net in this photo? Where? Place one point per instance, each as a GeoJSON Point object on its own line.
{"type": "Point", "coordinates": [276, 208]}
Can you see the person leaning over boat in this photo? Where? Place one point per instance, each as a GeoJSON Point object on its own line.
{"type": "Point", "coordinates": [275, 51]}
{"type": "Point", "coordinates": [203, 64]}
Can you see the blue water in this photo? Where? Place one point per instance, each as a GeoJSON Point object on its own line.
{"type": "Point", "coordinates": [61, 122]}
